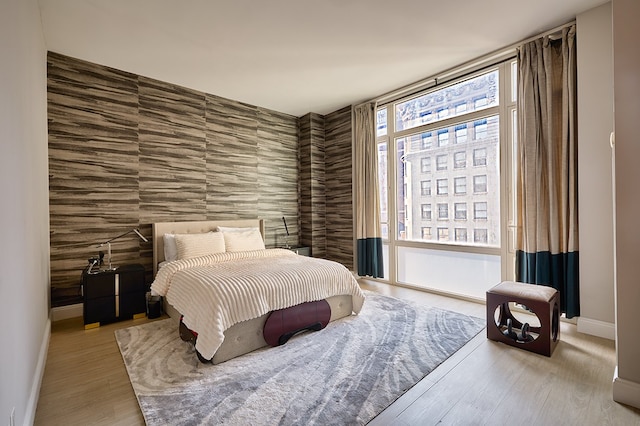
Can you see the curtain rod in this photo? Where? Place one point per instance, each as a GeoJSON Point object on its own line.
{"type": "Point", "coordinates": [467, 67]}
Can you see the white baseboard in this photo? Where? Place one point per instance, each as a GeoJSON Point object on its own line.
{"type": "Point", "coordinates": [32, 404]}
{"type": "Point", "coordinates": [625, 391]}
{"type": "Point", "coordinates": [598, 328]}
{"type": "Point", "coordinates": [65, 312]}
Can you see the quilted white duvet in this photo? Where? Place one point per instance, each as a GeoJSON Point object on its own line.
{"type": "Point", "coordinates": [217, 291]}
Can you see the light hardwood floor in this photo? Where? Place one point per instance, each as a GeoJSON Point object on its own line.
{"type": "Point", "coordinates": [485, 383]}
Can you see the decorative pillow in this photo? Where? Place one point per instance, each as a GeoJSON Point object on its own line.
{"type": "Point", "coordinates": [232, 229]}
{"type": "Point", "coordinates": [194, 245]}
{"type": "Point", "coordinates": [170, 248]}
{"type": "Point", "coordinates": [245, 240]}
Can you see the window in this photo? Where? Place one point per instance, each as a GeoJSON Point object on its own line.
{"type": "Point", "coordinates": [461, 133]}
{"type": "Point", "coordinates": [480, 102]}
{"type": "Point", "coordinates": [382, 188]}
{"type": "Point", "coordinates": [426, 211]}
{"type": "Point", "coordinates": [460, 160]}
{"type": "Point", "coordinates": [426, 233]}
{"type": "Point", "coordinates": [443, 186]}
{"type": "Point", "coordinates": [480, 157]}
{"type": "Point", "coordinates": [480, 184]}
{"type": "Point", "coordinates": [443, 113]}
{"type": "Point", "coordinates": [381, 122]}
{"type": "Point", "coordinates": [480, 129]}
{"type": "Point", "coordinates": [470, 120]}
{"type": "Point", "coordinates": [443, 234]}
{"type": "Point", "coordinates": [426, 141]}
{"type": "Point", "coordinates": [443, 137]}
{"type": "Point", "coordinates": [480, 211]}
{"type": "Point", "coordinates": [419, 110]}
{"type": "Point", "coordinates": [425, 187]}
{"type": "Point", "coordinates": [443, 211]}
{"type": "Point", "coordinates": [425, 165]}
{"type": "Point", "coordinates": [460, 185]}
{"type": "Point", "coordinates": [460, 234]}
{"type": "Point", "coordinates": [441, 162]}
{"type": "Point", "coordinates": [480, 236]}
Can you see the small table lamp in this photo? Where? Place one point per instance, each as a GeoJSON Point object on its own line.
{"type": "Point", "coordinates": [108, 244]}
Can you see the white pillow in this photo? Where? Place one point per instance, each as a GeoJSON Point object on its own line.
{"type": "Point", "coordinates": [248, 239]}
{"type": "Point", "coordinates": [195, 245]}
{"type": "Point", "coordinates": [232, 229]}
{"type": "Point", "coordinates": [170, 248]}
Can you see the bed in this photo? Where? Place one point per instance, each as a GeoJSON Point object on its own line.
{"type": "Point", "coordinates": [234, 335]}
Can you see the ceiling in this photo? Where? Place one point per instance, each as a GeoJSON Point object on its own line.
{"type": "Point", "coordinates": [294, 56]}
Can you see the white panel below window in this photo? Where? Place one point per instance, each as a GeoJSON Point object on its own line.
{"type": "Point", "coordinates": [468, 274]}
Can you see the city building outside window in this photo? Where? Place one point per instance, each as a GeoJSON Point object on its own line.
{"type": "Point", "coordinates": [460, 234]}
{"type": "Point", "coordinates": [460, 211]}
{"type": "Point", "coordinates": [443, 211]}
{"type": "Point", "coordinates": [443, 186]}
{"type": "Point", "coordinates": [426, 211]}
{"type": "Point", "coordinates": [480, 184]}
{"type": "Point", "coordinates": [460, 185]}
{"type": "Point", "coordinates": [480, 211]}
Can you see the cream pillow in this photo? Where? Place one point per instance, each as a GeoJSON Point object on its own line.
{"type": "Point", "coordinates": [170, 248]}
{"type": "Point", "coordinates": [195, 245]}
{"type": "Point", "coordinates": [250, 239]}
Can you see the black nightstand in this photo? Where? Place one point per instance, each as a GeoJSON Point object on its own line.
{"type": "Point", "coordinates": [110, 296]}
{"type": "Point", "coordinates": [302, 251]}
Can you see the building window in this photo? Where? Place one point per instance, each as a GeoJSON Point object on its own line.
{"type": "Point", "coordinates": [443, 211]}
{"type": "Point", "coordinates": [442, 187]}
{"type": "Point", "coordinates": [425, 164]}
{"type": "Point", "coordinates": [480, 129]}
{"type": "Point", "coordinates": [441, 162]}
{"type": "Point", "coordinates": [418, 111]}
{"type": "Point", "coordinates": [443, 234]}
{"type": "Point", "coordinates": [461, 133]}
{"type": "Point", "coordinates": [460, 211]}
{"type": "Point", "coordinates": [460, 160]}
{"type": "Point", "coordinates": [426, 141]}
{"type": "Point", "coordinates": [423, 132]}
{"type": "Point", "coordinates": [480, 184]}
{"type": "Point", "coordinates": [480, 157]}
{"type": "Point", "coordinates": [480, 236]}
{"type": "Point", "coordinates": [480, 211]}
{"type": "Point", "coordinates": [425, 187]}
{"type": "Point", "coordinates": [460, 185]}
{"type": "Point", "coordinates": [426, 211]}
{"type": "Point", "coordinates": [460, 234]}
{"type": "Point", "coordinates": [443, 137]}
{"type": "Point", "coordinates": [426, 233]}
{"type": "Point", "coordinates": [480, 102]}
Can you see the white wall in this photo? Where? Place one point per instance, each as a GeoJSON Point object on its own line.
{"type": "Point", "coordinates": [626, 70]}
{"type": "Point", "coordinates": [24, 253]}
{"type": "Point", "coordinates": [595, 189]}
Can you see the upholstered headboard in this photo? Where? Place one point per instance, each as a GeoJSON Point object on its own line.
{"type": "Point", "coordinates": [161, 228]}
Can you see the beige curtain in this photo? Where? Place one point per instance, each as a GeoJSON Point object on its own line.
{"type": "Point", "coordinates": [367, 202]}
{"type": "Point", "coordinates": [547, 243]}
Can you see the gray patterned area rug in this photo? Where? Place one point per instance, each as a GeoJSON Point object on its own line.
{"type": "Point", "coordinates": [343, 375]}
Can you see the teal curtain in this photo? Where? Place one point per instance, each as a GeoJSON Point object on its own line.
{"type": "Point", "coordinates": [367, 201]}
{"type": "Point", "coordinates": [547, 237]}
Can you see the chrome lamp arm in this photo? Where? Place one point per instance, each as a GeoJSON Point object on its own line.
{"type": "Point", "coordinates": [108, 244]}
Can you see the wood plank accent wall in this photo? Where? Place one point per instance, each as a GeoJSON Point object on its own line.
{"type": "Point", "coordinates": [338, 186]}
{"type": "Point", "coordinates": [311, 132]}
{"type": "Point", "coordinates": [326, 209]}
{"type": "Point", "coordinates": [126, 151]}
